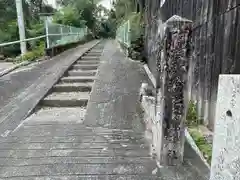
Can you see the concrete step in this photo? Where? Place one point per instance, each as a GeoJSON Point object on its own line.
{"type": "Point", "coordinates": [73, 87]}
{"type": "Point", "coordinates": [94, 62]}
{"type": "Point", "coordinates": [76, 160]}
{"type": "Point", "coordinates": [54, 116]}
{"type": "Point", "coordinates": [87, 57]}
{"type": "Point", "coordinates": [94, 54]}
{"type": "Point", "coordinates": [82, 73]}
{"type": "Point", "coordinates": [77, 79]}
{"type": "Point", "coordinates": [71, 99]}
{"type": "Point", "coordinates": [74, 171]}
{"type": "Point", "coordinates": [84, 67]}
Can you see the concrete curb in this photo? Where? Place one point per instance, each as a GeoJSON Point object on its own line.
{"type": "Point", "coordinates": [25, 63]}
{"type": "Point", "coordinates": [7, 71]}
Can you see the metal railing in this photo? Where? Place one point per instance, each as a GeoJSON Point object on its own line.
{"type": "Point", "coordinates": [55, 35]}
{"type": "Point", "coordinates": [58, 34]}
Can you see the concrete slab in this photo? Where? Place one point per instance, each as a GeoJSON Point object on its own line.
{"type": "Point", "coordinates": [226, 148]}
{"type": "Point", "coordinates": [90, 58]}
{"type": "Point", "coordinates": [82, 73]}
{"type": "Point", "coordinates": [87, 177]}
{"type": "Point", "coordinates": [77, 79]}
{"type": "Point", "coordinates": [6, 65]}
{"type": "Point", "coordinates": [93, 62]}
{"type": "Point", "coordinates": [84, 67]}
{"type": "Point", "coordinates": [57, 115]}
{"type": "Point", "coordinates": [73, 87]}
{"type": "Point", "coordinates": [64, 99]}
{"type": "Point", "coordinates": [76, 169]}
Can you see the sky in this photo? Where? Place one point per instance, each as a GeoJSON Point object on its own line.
{"type": "Point", "coordinates": [106, 3]}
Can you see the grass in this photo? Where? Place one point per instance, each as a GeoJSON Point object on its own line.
{"type": "Point", "coordinates": [33, 54]}
{"type": "Point", "coordinates": [193, 122]}
{"type": "Point", "coordinates": [192, 117]}
{"type": "Point", "coordinates": [202, 144]}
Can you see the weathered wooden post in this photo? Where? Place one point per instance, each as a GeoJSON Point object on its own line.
{"type": "Point", "coordinates": [226, 144]}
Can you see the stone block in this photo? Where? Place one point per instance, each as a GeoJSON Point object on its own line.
{"type": "Point", "coordinates": [226, 146]}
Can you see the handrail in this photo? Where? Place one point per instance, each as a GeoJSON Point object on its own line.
{"type": "Point", "coordinates": [48, 35]}
{"type": "Point", "coordinates": [19, 41]}
{"type": "Point", "coordinates": [35, 38]}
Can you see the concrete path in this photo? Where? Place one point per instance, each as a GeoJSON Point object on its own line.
{"type": "Point", "coordinates": [21, 90]}
{"type": "Point", "coordinates": [109, 142]}
{"type": "Point", "coordinates": [114, 105]}
{"type": "Point", "coordinates": [5, 65]}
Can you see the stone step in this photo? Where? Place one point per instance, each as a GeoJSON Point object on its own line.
{"type": "Point", "coordinates": [77, 79]}
{"type": "Point", "coordinates": [82, 73]}
{"type": "Point", "coordinates": [80, 171]}
{"type": "Point", "coordinates": [87, 57]}
{"type": "Point", "coordinates": [71, 99]}
{"type": "Point", "coordinates": [94, 54]}
{"type": "Point", "coordinates": [84, 67]}
{"type": "Point", "coordinates": [73, 87]}
{"type": "Point", "coordinates": [101, 152]}
{"type": "Point", "coordinates": [90, 177]}
{"type": "Point", "coordinates": [94, 62]}
{"type": "Point", "coordinates": [75, 160]}
{"type": "Point", "coordinates": [54, 116]}
{"type": "Point", "coordinates": [96, 50]}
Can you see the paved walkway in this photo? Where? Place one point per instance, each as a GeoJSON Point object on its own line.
{"type": "Point", "coordinates": [5, 65]}
{"type": "Point", "coordinates": [109, 144]}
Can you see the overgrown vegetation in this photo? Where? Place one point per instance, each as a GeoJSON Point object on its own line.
{"type": "Point", "coordinates": [36, 53]}
{"type": "Point", "coordinates": [9, 27]}
{"type": "Point", "coordinates": [193, 123]}
{"type": "Point", "coordinates": [192, 117]}
{"type": "Point", "coordinates": [202, 143]}
{"type": "Point", "coordinates": [132, 10]}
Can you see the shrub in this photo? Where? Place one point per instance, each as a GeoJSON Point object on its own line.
{"type": "Point", "coordinates": [36, 53]}
{"type": "Point", "coordinates": [192, 117]}
{"type": "Point", "coordinates": [202, 144]}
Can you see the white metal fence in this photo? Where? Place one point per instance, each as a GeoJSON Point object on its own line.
{"type": "Point", "coordinates": [123, 34]}
{"type": "Point", "coordinates": [56, 34]}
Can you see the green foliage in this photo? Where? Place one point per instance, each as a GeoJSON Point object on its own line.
{"type": "Point", "coordinates": [35, 53]}
{"type": "Point", "coordinates": [69, 16]}
{"type": "Point", "coordinates": [9, 27]}
{"type": "Point", "coordinates": [192, 117]}
{"type": "Point", "coordinates": [123, 9]}
{"type": "Point", "coordinates": [202, 144]}
{"type": "Point", "coordinates": [136, 24]}
{"type": "Point", "coordinates": [77, 13]}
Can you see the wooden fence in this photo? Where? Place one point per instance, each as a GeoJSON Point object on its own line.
{"type": "Point", "coordinates": [216, 45]}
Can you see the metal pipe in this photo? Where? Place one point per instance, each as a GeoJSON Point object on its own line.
{"type": "Point", "coordinates": [19, 41]}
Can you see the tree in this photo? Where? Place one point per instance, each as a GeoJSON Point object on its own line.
{"type": "Point", "coordinates": [9, 26]}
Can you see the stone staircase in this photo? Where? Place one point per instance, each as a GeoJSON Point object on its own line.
{"type": "Point", "coordinates": [74, 88]}
{"type": "Point", "coordinates": [53, 143]}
